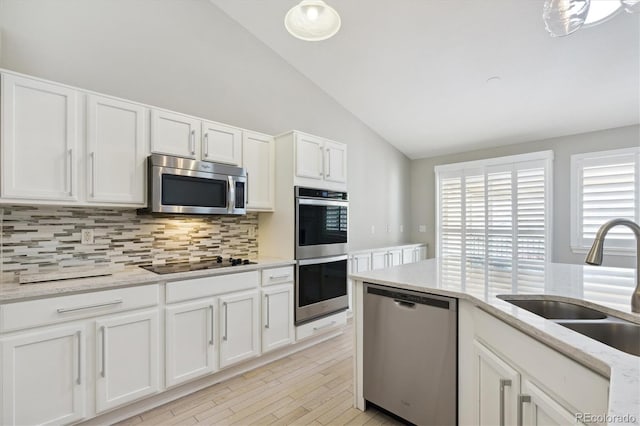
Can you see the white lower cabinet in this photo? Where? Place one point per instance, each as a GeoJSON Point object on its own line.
{"type": "Point", "coordinates": [127, 351]}
{"type": "Point", "coordinates": [497, 386]}
{"type": "Point", "coordinates": [540, 409]}
{"type": "Point", "coordinates": [239, 324]}
{"type": "Point", "coordinates": [514, 379]}
{"type": "Point", "coordinates": [277, 317]}
{"type": "Point", "coordinates": [43, 376]}
{"type": "Point", "coordinates": [190, 340]}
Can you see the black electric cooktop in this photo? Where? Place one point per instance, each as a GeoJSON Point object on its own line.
{"type": "Point", "coordinates": [218, 262]}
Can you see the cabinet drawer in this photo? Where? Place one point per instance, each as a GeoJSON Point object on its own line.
{"type": "Point", "coordinates": [277, 275]}
{"type": "Point", "coordinates": [178, 291]}
{"type": "Point", "coordinates": [19, 315]}
{"type": "Point", "coordinates": [321, 325]}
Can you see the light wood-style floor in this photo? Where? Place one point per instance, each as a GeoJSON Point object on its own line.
{"type": "Point", "coordinates": [311, 387]}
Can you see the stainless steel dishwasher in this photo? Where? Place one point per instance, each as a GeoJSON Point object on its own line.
{"type": "Point", "coordinates": [410, 354]}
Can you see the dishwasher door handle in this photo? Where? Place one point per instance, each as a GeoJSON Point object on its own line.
{"type": "Point", "coordinates": [404, 303]}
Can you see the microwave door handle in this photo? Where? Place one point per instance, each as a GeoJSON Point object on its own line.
{"type": "Point", "coordinates": [231, 194]}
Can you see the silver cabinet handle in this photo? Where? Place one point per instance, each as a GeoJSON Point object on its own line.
{"type": "Point", "coordinates": [278, 277]}
{"type": "Point", "coordinates": [503, 384]}
{"type": "Point", "coordinates": [206, 145]}
{"type": "Point", "coordinates": [521, 400]}
{"type": "Point", "coordinates": [103, 371]}
{"type": "Point", "coordinates": [266, 296]}
{"type": "Point", "coordinates": [70, 153]}
{"type": "Point", "coordinates": [224, 304]}
{"type": "Point", "coordinates": [324, 326]}
{"type": "Point", "coordinates": [192, 142]}
{"type": "Point", "coordinates": [79, 335]}
{"type": "Point", "coordinates": [212, 325]}
{"type": "Point", "coordinates": [93, 174]}
{"type": "Point", "coordinates": [97, 305]}
{"type": "Point", "coordinates": [328, 172]}
{"type": "Point", "coordinates": [321, 174]}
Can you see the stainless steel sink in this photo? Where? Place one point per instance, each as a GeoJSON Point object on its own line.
{"type": "Point", "coordinates": [608, 329]}
{"type": "Point", "coordinates": [620, 335]}
{"type": "Point", "coordinates": [554, 310]}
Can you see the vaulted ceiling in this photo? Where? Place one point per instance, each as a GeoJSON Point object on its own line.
{"type": "Point", "coordinates": [416, 71]}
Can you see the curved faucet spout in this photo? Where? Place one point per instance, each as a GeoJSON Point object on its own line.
{"type": "Point", "coordinates": [594, 257]}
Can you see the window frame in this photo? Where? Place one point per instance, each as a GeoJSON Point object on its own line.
{"type": "Point", "coordinates": [462, 168]}
{"type": "Point", "coordinates": [578, 245]}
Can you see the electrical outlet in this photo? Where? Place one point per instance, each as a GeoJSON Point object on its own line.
{"type": "Point", "coordinates": [422, 228]}
{"type": "Point", "coordinates": [401, 228]}
{"type": "Point", "coordinates": [388, 228]}
{"type": "Point", "coordinates": [86, 236]}
{"type": "Point", "coordinates": [373, 229]}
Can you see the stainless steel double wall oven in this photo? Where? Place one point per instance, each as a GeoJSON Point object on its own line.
{"type": "Point", "coordinates": [321, 252]}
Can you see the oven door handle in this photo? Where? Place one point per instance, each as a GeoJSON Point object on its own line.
{"type": "Point", "coordinates": [319, 260]}
{"type": "Point", "coordinates": [316, 202]}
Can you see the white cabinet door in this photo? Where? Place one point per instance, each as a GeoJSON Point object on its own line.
{"type": "Point", "coordinates": [335, 162]}
{"type": "Point", "coordinates": [309, 156]}
{"type": "Point", "coordinates": [379, 259]}
{"type": "Point", "coordinates": [174, 134]}
{"type": "Point", "coordinates": [408, 255]}
{"type": "Point", "coordinates": [221, 143]}
{"type": "Point", "coordinates": [420, 253]}
{"type": "Point", "coordinates": [191, 349]}
{"type": "Point", "coordinates": [497, 386]}
{"type": "Point", "coordinates": [277, 317]}
{"type": "Point", "coordinates": [239, 323]}
{"type": "Point", "coordinates": [259, 160]}
{"type": "Point", "coordinates": [395, 257]}
{"type": "Point", "coordinates": [539, 409]}
{"type": "Point", "coordinates": [127, 351]}
{"type": "Point", "coordinates": [361, 262]}
{"type": "Point", "coordinates": [39, 140]}
{"type": "Point", "coordinates": [117, 147]}
{"type": "Point", "coordinates": [43, 377]}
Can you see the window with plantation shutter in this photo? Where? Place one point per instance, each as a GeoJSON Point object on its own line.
{"type": "Point", "coordinates": [494, 222]}
{"type": "Point", "coordinates": [605, 185]}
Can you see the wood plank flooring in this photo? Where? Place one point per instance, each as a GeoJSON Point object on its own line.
{"type": "Point", "coordinates": [311, 387]}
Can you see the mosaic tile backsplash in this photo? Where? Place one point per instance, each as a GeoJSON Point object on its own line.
{"type": "Point", "coordinates": [47, 239]}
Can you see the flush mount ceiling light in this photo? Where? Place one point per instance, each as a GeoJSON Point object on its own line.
{"type": "Point", "coordinates": [563, 17]}
{"type": "Point", "coordinates": [312, 20]}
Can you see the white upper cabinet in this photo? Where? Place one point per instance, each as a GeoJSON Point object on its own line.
{"type": "Point", "coordinates": [39, 140]}
{"type": "Point", "coordinates": [117, 146]}
{"type": "Point", "coordinates": [259, 161]}
{"type": "Point", "coordinates": [335, 162]}
{"type": "Point", "coordinates": [319, 162]}
{"type": "Point", "coordinates": [221, 143]}
{"type": "Point", "coordinates": [174, 134]}
{"type": "Point", "coordinates": [309, 156]}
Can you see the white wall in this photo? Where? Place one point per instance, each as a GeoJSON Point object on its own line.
{"type": "Point", "coordinates": [189, 56]}
{"type": "Point", "coordinates": [423, 185]}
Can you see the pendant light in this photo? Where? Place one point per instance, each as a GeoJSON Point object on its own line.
{"type": "Point", "coordinates": [563, 17]}
{"type": "Point", "coordinates": [312, 20]}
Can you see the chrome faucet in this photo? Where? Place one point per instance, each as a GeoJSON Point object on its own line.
{"type": "Point", "coordinates": [594, 257]}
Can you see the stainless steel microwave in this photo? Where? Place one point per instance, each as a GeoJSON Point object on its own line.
{"type": "Point", "coordinates": [182, 185]}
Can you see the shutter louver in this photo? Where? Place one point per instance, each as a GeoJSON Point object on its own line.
{"type": "Point", "coordinates": [607, 188]}
{"type": "Point", "coordinates": [493, 225]}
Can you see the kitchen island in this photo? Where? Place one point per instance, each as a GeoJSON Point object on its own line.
{"type": "Point", "coordinates": [514, 365]}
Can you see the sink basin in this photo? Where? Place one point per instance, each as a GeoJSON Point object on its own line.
{"type": "Point", "coordinates": [556, 310]}
{"type": "Point", "coordinates": [622, 336]}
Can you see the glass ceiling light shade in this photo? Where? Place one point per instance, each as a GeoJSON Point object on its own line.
{"type": "Point", "coordinates": [563, 17]}
{"type": "Point", "coordinates": [312, 20]}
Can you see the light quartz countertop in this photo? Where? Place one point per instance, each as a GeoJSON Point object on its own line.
{"type": "Point", "coordinates": [130, 276]}
{"type": "Point", "coordinates": [607, 289]}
